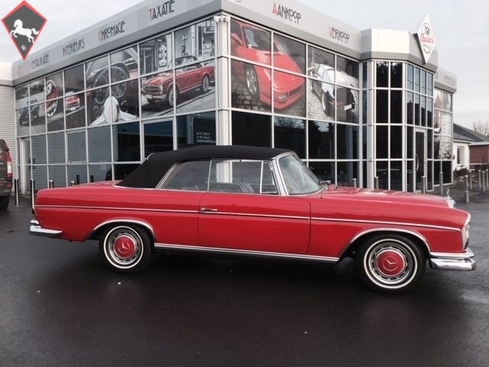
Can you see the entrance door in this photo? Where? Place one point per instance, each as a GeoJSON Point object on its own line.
{"type": "Point", "coordinates": [24, 165]}
{"type": "Point", "coordinates": [420, 158]}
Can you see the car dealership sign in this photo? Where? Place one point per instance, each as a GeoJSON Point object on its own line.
{"type": "Point", "coordinates": [24, 24]}
{"type": "Point", "coordinates": [286, 13]}
{"type": "Point", "coordinates": [426, 39]}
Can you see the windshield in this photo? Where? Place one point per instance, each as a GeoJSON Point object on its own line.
{"type": "Point", "coordinates": [258, 39]}
{"type": "Point", "coordinates": [298, 178]}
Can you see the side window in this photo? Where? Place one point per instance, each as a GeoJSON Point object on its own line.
{"type": "Point", "coordinates": [192, 176]}
{"type": "Point", "coordinates": [241, 176]}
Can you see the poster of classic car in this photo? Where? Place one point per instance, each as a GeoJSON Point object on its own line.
{"type": "Point", "coordinates": [41, 102]}
{"type": "Point", "coordinates": [333, 84]}
{"type": "Point", "coordinates": [180, 71]}
{"type": "Point", "coordinates": [170, 87]}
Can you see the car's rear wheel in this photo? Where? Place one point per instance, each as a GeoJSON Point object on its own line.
{"type": "Point", "coordinates": [390, 263]}
{"type": "Point", "coordinates": [4, 201]}
{"type": "Point", "coordinates": [172, 96]}
{"type": "Point", "coordinates": [126, 248]}
{"type": "Point", "coordinates": [252, 82]}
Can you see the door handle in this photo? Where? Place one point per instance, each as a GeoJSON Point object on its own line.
{"type": "Point", "coordinates": [417, 162]}
{"type": "Point", "coordinates": [208, 210]}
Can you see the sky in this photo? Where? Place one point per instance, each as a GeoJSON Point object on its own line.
{"type": "Point", "coordinates": [461, 30]}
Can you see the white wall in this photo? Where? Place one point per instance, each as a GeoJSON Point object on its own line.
{"type": "Point", "coordinates": [464, 159]}
{"type": "Point", "coordinates": [7, 114]}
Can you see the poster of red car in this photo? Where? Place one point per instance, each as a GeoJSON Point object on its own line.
{"type": "Point", "coordinates": [254, 84]}
{"type": "Point", "coordinates": [178, 73]}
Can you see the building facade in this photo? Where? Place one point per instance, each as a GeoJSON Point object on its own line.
{"type": "Point", "coordinates": [366, 107]}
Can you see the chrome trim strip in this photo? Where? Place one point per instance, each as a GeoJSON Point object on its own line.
{"type": "Point", "coordinates": [460, 262]}
{"type": "Point", "coordinates": [214, 212]}
{"type": "Point", "coordinates": [385, 223]}
{"type": "Point", "coordinates": [199, 211]}
{"type": "Point", "coordinates": [117, 208]}
{"type": "Point", "coordinates": [167, 246]}
{"type": "Point", "coordinates": [36, 230]}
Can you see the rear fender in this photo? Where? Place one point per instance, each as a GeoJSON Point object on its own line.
{"type": "Point", "coordinates": [97, 231]}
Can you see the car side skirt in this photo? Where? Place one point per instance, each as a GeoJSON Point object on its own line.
{"type": "Point", "coordinates": [238, 252]}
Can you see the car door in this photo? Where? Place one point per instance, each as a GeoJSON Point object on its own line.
{"type": "Point", "coordinates": [173, 215]}
{"type": "Point", "coordinates": [177, 201]}
{"type": "Point", "coordinates": [188, 76]}
{"type": "Point", "coordinates": [242, 213]}
{"type": "Point", "coordinates": [254, 222]}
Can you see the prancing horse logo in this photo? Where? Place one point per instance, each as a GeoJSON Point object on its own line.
{"type": "Point", "coordinates": [26, 22]}
{"type": "Point", "coordinates": [19, 29]}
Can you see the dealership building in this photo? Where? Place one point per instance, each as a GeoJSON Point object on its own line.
{"type": "Point", "coordinates": [366, 107]}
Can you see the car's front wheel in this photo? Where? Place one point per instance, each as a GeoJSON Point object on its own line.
{"type": "Point", "coordinates": [326, 104]}
{"type": "Point", "coordinates": [206, 82]}
{"type": "Point", "coordinates": [126, 248]}
{"type": "Point", "coordinates": [390, 263]}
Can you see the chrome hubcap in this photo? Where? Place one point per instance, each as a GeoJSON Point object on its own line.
{"type": "Point", "coordinates": [391, 263]}
{"type": "Point", "coordinates": [123, 247]}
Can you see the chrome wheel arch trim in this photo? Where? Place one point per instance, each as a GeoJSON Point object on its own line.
{"type": "Point", "coordinates": [230, 251]}
{"type": "Point", "coordinates": [123, 221]}
{"type": "Point", "coordinates": [386, 229]}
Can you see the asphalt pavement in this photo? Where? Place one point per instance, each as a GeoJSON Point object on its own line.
{"type": "Point", "coordinates": [60, 306]}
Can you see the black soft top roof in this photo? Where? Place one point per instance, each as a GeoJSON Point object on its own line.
{"type": "Point", "coordinates": [150, 172]}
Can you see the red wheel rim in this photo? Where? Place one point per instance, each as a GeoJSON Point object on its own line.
{"type": "Point", "coordinates": [390, 263]}
{"type": "Point", "coordinates": [124, 247]}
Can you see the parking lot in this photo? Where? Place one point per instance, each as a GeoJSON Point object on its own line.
{"type": "Point", "coordinates": [60, 306]}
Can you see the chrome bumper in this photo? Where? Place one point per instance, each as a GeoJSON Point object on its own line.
{"type": "Point", "coordinates": [37, 230]}
{"type": "Point", "coordinates": [445, 261]}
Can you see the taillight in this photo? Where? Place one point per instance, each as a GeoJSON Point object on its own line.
{"type": "Point", "coordinates": [9, 166]}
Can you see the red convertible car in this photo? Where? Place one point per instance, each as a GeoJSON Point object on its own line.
{"type": "Point", "coordinates": [253, 201]}
{"type": "Point", "coordinates": [190, 76]}
{"type": "Point", "coordinates": [254, 44]}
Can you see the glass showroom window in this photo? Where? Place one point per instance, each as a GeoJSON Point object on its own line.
{"type": "Point", "coordinates": [196, 129]}
{"type": "Point", "coordinates": [39, 160]}
{"type": "Point", "coordinates": [74, 98]}
{"type": "Point", "coordinates": [290, 133]}
{"type": "Point", "coordinates": [251, 129]}
{"type": "Point", "coordinates": [443, 138]}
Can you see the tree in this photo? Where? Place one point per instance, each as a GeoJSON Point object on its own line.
{"type": "Point", "coordinates": [481, 127]}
